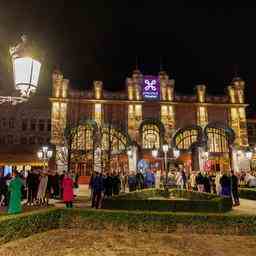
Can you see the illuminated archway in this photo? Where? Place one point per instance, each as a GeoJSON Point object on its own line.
{"type": "Point", "coordinates": [185, 138]}
{"type": "Point", "coordinates": [84, 135]}
{"type": "Point", "coordinates": [219, 137]}
{"type": "Point", "coordinates": [114, 140]}
{"type": "Point", "coordinates": [152, 133]}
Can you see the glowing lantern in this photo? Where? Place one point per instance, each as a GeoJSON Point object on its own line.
{"type": "Point", "coordinates": [26, 75]}
{"type": "Point", "coordinates": [26, 70]}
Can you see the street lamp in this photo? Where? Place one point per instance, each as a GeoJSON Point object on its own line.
{"type": "Point", "coordinates": [248, 154]}
{"type": "Point", "coordinates": [45, 154]}
{"type": "Point", "coordinates": [129, 152]}
{"type": "Point", "coordinates": [176, 153]}
{"type": "Point", "coordinates": [154, 152]}
{"type": "Point", "coordinates": [165, 150]}
{"type": "Point", "coordinates": [26, 71]}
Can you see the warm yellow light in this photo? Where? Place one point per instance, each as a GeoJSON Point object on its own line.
{"type": "Point", "coordinates": [231, 94]}
{"type": "Point", "coordinates": [98, 113]}
{"type": "Point", "coordinates": [138, 111]}
{"type": "Point", "coordinates": [26, 74]}
{"type": "Point", "coordinates": [164, 110]}
{"type": "Point", "coordinates": [130, 92]}
{"type": "Point", "coordinates": [169, 93]}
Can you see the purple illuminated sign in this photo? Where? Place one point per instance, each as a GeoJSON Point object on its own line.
{"type": "Point", "coordinates": [151, 88]}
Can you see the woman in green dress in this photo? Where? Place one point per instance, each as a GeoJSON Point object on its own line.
{"type": "Point", "coordinates": [15, 194]}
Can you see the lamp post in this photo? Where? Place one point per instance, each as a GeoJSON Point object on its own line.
{"type": "Point", "coordinates": [248, 155]}
{"type": "Point", "coordinates": [45, 154]}
{"type": "Point", "coordinates": [154, 152]}
{"type": "Point", "coordinates": [26, 71]}
{"type": "Point", "coordinates": [165, 150]}
{"type": "Point", "coordinates": [205, 158]}
{"type": "Point", "coordinates": [129, 152]}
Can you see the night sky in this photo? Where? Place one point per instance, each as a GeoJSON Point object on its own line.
{"type": "Point", "coordinates": [101, 40]}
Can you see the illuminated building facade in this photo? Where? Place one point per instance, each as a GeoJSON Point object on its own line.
{"type": "Point", "coordinates": [144, 116]}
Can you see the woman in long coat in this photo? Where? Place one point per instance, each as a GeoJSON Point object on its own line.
{"type": "Point", "coordinates": [41, 193]}
{"type": "Point", "coordinates": [68, 195]}
{"type": "Point", "coordinates": [15, 194]}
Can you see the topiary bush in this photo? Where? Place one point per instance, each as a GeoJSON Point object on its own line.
{"type": "Point", "coordinates": [26, 224]}
{"type": "Point", "coordinates": [247, 193]}
{"type": "Point", "coordinates": [23, 225]}
{"type": "Point", "coordinates": [148, 221]}
{"type": "Point", "coordinates": [160, 200]}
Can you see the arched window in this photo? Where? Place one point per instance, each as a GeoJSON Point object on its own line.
{"type": "Point", "coordinates": [114, 140]}
{"type": "Point", "coordinates": [217, 140]}
{"type": "Point", "coordinates": [83, 138]}
{"type": "Point", "coordinates": [185, 138]}
{"type": "Point", "coordinates": [150, 136]}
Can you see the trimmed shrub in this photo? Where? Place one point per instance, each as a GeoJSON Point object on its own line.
{"type": "Point", "coordinates": [23, 225]}
{"type": "Point", "coordinates": [160, 221]}
{"type": "Point", "coordinates": [26, 224]}
{"type": "Point", "coordinates": [158, 200]}
{"type": "Point", "coordinates": [247, 193]}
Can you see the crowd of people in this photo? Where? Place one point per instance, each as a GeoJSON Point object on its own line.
{"type": "Point", "coordinates": [104, 185]}
{"type": "Point", "coordinates": [220, 183]}
{"type": "Point", "coordinates": [38, 186]}
{"type": "Point", "coordinates": [35, 188]}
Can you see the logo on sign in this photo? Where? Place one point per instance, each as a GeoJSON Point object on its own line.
{"type": "Point", "coordinates": [151, 88]}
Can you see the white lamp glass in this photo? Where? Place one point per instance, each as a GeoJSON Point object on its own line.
{"type": "Point", "coordinates": [176, 153]}
{"type": "Point", "coordinates": [49, 153]}
{"type": "Point", "coordinates": [248, 154]}
{"type": "Point", "coordinates": [26, 75]}
{"type": "Point", "coordinates": [154, 152]}
{"type": "Point", "coordinates": [165, 148]}
{"type": "Point", "coordinates": [129, 152]}
{"type": "Point", "coordinates": [45, 149]}
{"type": "Point", "coordinates": [40, 154]}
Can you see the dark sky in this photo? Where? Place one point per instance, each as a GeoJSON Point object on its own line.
{"type": "Point", "coordinates": [92, 40]}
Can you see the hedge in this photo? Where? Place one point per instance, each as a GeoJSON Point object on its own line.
{"type": "Point", "coordinates": [23, 225]}
{"type": "Point", "coordinates": [26, 224]}
{"type": "Point", "coordinates": [145, 221]}
{"type": "Point", "coordinates": [148, 200]}
{"type": "Point", "coordinates": [247, 193]}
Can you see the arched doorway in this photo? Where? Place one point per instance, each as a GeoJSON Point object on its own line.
{"type": "Point", "coordinates": [114, 144]}
{"type": "Point", "coordinates": [151, 136]}
{"type": "Point", "coordinates": [187, 140]}
{"type": "Point", "coordinates": [219, 140]}
{"type": "Point", "coordinates": [85, 135]}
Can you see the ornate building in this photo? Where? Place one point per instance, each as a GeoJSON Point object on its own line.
{"type": "Point", "coordinates": [144, 116]}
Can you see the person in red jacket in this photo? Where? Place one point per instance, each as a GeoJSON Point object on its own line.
{"type": "Point", "coordinates": [67, 186]}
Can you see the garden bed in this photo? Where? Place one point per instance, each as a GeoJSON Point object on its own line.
{"type": "Point", "coordinates": [174, 200]}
